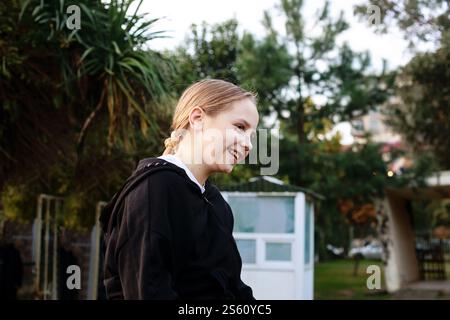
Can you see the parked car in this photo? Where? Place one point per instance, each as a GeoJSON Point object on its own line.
{"type": "Point", "coordinates": [372, 250]}
{"type": "Point", "coordinates": [335, 252]}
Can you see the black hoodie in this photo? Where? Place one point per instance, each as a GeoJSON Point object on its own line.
{"type": "Point", "coordinates": [164, 239]}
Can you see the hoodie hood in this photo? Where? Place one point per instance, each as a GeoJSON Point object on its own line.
{"type": "Point", "coordinates": [144, 169]}
{"type": "Point", "coordinates": [167, 165]}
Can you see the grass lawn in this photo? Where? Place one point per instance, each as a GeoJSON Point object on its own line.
{"type": "Point", "coordinates": [334, 280]}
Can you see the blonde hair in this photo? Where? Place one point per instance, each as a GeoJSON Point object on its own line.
{"type": "Point", "coordinates": [212, 96]}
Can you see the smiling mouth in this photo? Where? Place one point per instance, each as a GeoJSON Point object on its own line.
{"type": "Point", "coordinates": [235, 155]}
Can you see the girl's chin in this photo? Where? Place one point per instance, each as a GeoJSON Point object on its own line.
{"type": "Point", "coordinates": [226, 168]}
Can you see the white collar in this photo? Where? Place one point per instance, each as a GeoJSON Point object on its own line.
{"type": "Point", "coordinates": [177, 161]}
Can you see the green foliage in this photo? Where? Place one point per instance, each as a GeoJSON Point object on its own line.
{"type": "Point", "coordinates": [428, 215]}
{"type": "Point", "coordinates": [209, 52]}
{"type": "Point", "coordinates": [78, 212]}
{"type": "Point", "coordinates": [19, 203]}
{"type": "Point", "coordinates": [264, 66]}
{"type": "Point", "coordinates": [78, 107]}
{"type": "Point", "coordinates": [129, 81]}
{"type": "Point", "coordinates": [440, 213]}
{"type": "Point", "coordinates": [318, 67]}
{"type": "Point", "coordinates": [240, 173]}
{"type": "Point", "coordinates": [422, 114]}
{"type": "Point", "coordinates": [420, 20]}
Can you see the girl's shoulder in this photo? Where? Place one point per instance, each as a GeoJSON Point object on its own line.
{"type": "Point", "coordinates": [166, 176]}
{"type": "Point", "coordinates": [159, 170]}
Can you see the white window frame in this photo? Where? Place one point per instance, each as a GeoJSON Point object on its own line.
{"type": "Point", "coordinates": [262, 239]}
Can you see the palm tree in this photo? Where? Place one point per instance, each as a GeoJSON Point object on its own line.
{"type": "Point", "coordinates": [72, 97]}
{"type": "Point", "coordinates": [109, 51]}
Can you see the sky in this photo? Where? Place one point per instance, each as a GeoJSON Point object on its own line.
{"type": "Point", "coordinates": [178, 15]}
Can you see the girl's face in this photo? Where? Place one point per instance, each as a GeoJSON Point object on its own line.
{"type": "Point", "coordinates": [226, 137]}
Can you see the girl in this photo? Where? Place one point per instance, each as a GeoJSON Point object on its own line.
{"type": "Point", "coordinates": [168, 231]}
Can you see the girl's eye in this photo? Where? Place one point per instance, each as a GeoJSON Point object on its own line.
{"type": "Point", "coordinates": [240, 126]}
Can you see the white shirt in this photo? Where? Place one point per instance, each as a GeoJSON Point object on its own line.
{"type": "Point", "coordinates": [177, 161]}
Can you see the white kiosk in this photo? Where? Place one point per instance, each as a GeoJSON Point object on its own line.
{"type": "Point", "coordinates": [274, 231]}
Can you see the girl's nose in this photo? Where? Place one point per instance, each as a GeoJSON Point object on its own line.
{"type": "Point", "coordinates": [247, 144]}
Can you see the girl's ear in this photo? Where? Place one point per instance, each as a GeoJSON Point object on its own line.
{"type": "Point", "coordinates": [196, 117]}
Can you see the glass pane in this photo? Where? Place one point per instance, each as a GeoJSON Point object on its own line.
{"type": "Point", "coordinates": [263, 214]}
{"type": "Point", "coordinates": [308, 213]}
{"type": "Point", "coordinates": [247, 250]}
{"type": "Point", "coordinates": [278, 251]}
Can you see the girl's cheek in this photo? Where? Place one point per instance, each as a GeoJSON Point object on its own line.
{"type": "Point", "coordinates": [232, 139]}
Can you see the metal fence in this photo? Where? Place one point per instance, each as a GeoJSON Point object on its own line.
{"type": "Point", "coordinates": [46, 250]}
{"type": "Point", "coordinates": [433, 255]}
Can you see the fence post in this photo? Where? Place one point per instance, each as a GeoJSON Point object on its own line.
{"type": "Point", "coordinates": [95, 254]}
{"type": "Point", "coordinates": [49, 219]}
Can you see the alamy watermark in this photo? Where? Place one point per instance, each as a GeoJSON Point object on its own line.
{"type": "Point", "coordinates": [374, 280]}
{"type": "Point", "coordinates": [74, 280]}
{"type": "Point", "coordinates": [73, 21]}
{"type": "Point", "coordinates": [375, 14]}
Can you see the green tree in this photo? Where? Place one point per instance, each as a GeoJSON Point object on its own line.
{"type": "Point", "coordinates": [420, 20]}
{"type": "Point", "coordinates": [320, 68]}
{"type": "Point", "coordinates": [420, 111]}
{"type": "Point", "coordinates": [78, 107]}
{"type": "Point", "coordinates": [210, 51]}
